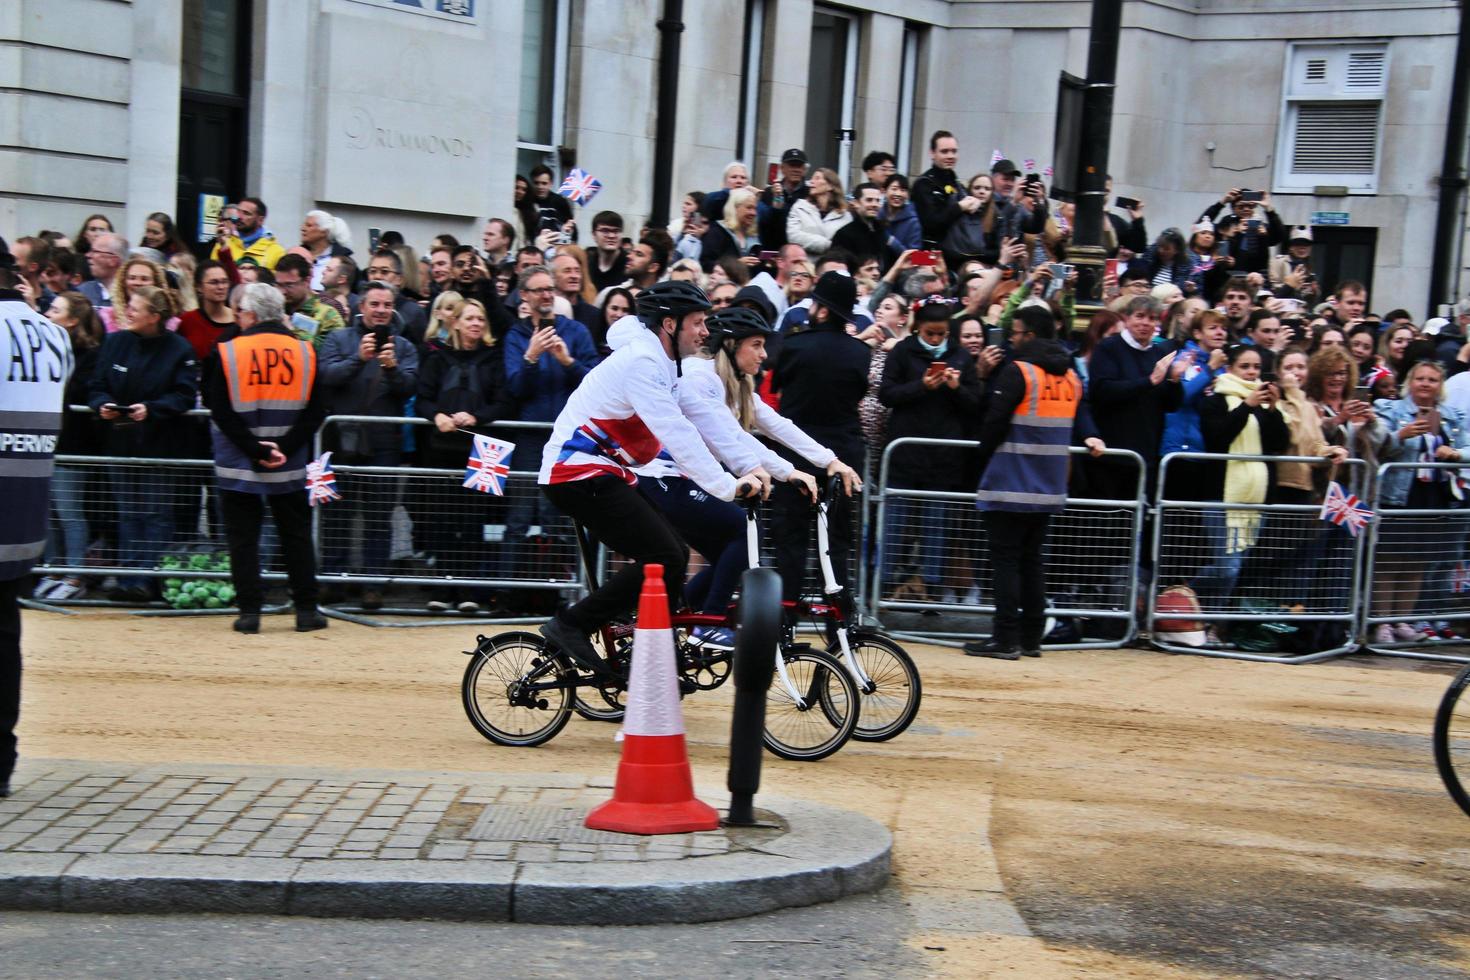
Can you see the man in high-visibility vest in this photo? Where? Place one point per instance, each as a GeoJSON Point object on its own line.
{"type": "Point", "coordinates": [264, 406]}
{"type": "Point", "coordinates": [1036, 406]}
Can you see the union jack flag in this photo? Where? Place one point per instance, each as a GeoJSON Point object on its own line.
{"type": "Point", "coordinates": [1028, 164]}
{"type": "Point", "coordinates": [1047, 173]}
{"type": "Point", "coordinates": [321, 482]}
{"type": "Point", "coordinates": [579, 186]}
{"type": "Point", "coordinates": [486, 470]}
{"type": "Point", "coordinates": [1344, 509]}
{"type": "Point", "coordinates": [996, 157]}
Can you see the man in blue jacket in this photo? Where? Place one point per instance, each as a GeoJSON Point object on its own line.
{"type": "Point", "coordinates": [32, 397]}
{"type": "Point", "coordinates": [546, 357]}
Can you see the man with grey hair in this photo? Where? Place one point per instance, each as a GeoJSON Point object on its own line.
{"type": "Point", "coordinates": [104, 258]}
{"type": "Point", "coordinates": [265, 406]}
{"type": "Point", "coordinates": [1133, 383]}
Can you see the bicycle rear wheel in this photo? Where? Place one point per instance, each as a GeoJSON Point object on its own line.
{"type": "Point", "coordinates": [516, 692]}
{"type": "Point", "coordinates": [1452, 740]}
{"type": "Point", "coordinates": [893, 702]}
{"type": "Point", "coordinates": [823, 718]}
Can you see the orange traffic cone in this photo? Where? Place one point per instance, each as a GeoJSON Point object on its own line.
{"type": "Point", "coordinates": [655, 789]}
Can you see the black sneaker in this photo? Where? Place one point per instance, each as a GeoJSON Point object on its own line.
{"type": "Point", "coordinates": [372, 600]}
{"type": "Point", "coordinates": [4, 788]}
{"type": "Point", "coordinates": [247, 623]}
{"type": "Point", "coordinates": [574, 643]}
{"type": "Point", "coordinates": [308, 620]}
{"type": "Point", "coordinates": [1065, 631]}
{"type": "Point", "coordinates": [992, 649]}
{"type": "Point", "coordinates": [1032, 652]}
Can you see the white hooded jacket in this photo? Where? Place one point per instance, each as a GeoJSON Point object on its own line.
{"type": "Point", "coordinates": [623, 413]}
{"type": "Point", "coordinates": [701, 397]}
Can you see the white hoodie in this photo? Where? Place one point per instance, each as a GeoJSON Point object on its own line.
{"type": "Point", "coordinates": [623, 413]}
{"type": "Point", "coordinates": [701, 397]}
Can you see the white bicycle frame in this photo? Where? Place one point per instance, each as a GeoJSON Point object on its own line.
{"type": "Point", "coordinates": [753, 555]}
{"type": "Point", "coordinates": [829, 588]}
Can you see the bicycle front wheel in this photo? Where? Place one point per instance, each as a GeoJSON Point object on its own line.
{"type": "Point", "coordinates": [892, 703]}
{"type": "Point", "coordinates": [516, 692]}
{"type": "Point", "coordinates": [823, 715]}
{"type": "Point", "coordinates": [1452, 740]}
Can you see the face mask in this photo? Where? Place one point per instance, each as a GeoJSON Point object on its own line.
{"type": "Point", "coordinates": [935, 350]}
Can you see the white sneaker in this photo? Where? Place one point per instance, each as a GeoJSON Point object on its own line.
{"type": "Point", "coordinates": [950, 598]}
{"type": "Point", "coordinates": [440, 605]}
{"type": "Point", "coordinates": [1383, 633]}
{"type": "Point", "coordinates": [1404, 633]}
{"type": "Point", "coordinates": [67, 588]}
{"type": "Point", "coordinates": [972, 598]}
{"type": "Point", "coordinates": [44, 587]}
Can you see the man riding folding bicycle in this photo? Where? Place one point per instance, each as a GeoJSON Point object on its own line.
{"type": "Point", "coordinates": [624, 412]}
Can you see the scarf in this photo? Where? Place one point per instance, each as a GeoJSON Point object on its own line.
{"type": "Point", "coordinates": [1246, 482]}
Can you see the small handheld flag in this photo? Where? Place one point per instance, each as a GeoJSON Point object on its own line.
{"type": "Point", "coordinates": [1028, 164]}
{"type": "Point", "coordinates": [1047, 173]}
{"type": "Point", "coordinates": [486, 470]}
{"type": "Point", "coordinates": [321, 482]}
{"type": "Point", "coordinates": [996, 157]}
{"type": "Point", "coordinates": [579, 187]}
{"type": "Point", "coordinates": [1344, 509]}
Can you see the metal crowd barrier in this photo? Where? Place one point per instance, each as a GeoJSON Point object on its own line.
{"type": "Point", "coordinates": [463, 541]}
{"type": "Point", "coordinates": [1265, 575]}
{"type": "Point", "coordinates": [1091, 556]}
{"type": "Point", "coordinates": [1419, 575]}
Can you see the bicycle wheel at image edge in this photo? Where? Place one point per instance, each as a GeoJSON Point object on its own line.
{"type": "Point", "coordinates": [893, 703]}
{"type": "Point", "coordinates": [824, 719]}
{"type": "Point", "coordinates": [502, 664]}
{"type": "Point", "coordinates": [1452, 740]}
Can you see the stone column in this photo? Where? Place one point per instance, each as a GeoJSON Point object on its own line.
{"type": "Point", "coordinates": [153, 111]}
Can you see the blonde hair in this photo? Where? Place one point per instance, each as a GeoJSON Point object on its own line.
{"type": "Point", "coordinates": [739, 389]}
{"type": "Point", "coordinates": [121, 294]}
{"type": "Point", "coordinates": [455, 340]}
{"type": "Point", "coordinates": [446, 307]}
{"type": "Point", "coordinates": [739, 196]}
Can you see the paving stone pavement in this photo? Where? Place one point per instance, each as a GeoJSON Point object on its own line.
{"type": "Point", "coordinates": [90, 822]}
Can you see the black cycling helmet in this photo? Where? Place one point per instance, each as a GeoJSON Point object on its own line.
{"type": "Point", "coordinates": [734, 324]}
{"type": "Point", "coordinates": [671, 297]}
{"type": "Point", "coordinates": [675, 298]}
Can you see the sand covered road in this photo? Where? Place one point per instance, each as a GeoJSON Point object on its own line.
{"type": "Point", "coordinates": [1149, 815]}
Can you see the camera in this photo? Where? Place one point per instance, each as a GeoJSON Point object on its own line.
{"type": "Point", "coordinates": [1251, 197]}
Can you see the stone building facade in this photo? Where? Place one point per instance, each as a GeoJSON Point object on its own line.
{"type": "Point", "coordinates": [415, 114]}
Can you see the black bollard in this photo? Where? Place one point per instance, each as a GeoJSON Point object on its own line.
{"type": "Point", "coordinates": [758, 632]}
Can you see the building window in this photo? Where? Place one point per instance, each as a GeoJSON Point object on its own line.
{"type": "Point", "coordinates": [908, 78]}
{"type": "Point", "coordinates": [543, 83]}
{"type": "Point", "coordinates": [1332, 118]}
{"type": "Point", "coordinates": [750, 82]}
{"type": "Point", "coordinates": [832, 90]}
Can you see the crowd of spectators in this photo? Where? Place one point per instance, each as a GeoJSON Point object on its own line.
{"type": "Point", "coordinates": [1216, 335]}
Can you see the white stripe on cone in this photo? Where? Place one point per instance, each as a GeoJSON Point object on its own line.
{"type": "Point", "coordinates": [653, 686]}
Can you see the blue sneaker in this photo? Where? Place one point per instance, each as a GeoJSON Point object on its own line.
{"type": "Point", "coordinates": [713, 637]}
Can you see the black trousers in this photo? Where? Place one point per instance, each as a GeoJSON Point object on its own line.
{"type": "Point", "coordinates": [1016, 541]}
{"type": "Point", "coordinates": [9, 673]}
{"type": "Point", "coordinates": [617, 515]}
{"type": "Point", "coordinates": [243, 513]}
{"type": "Point", "coordinates": [792, 520]}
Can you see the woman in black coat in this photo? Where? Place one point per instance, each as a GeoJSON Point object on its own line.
{"type": "Point", "coordinates": [461, 391]}
{"type": "Point", "coordinates": [146, 378]}
{"type": "Point", "coordinates": [930, 383]}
